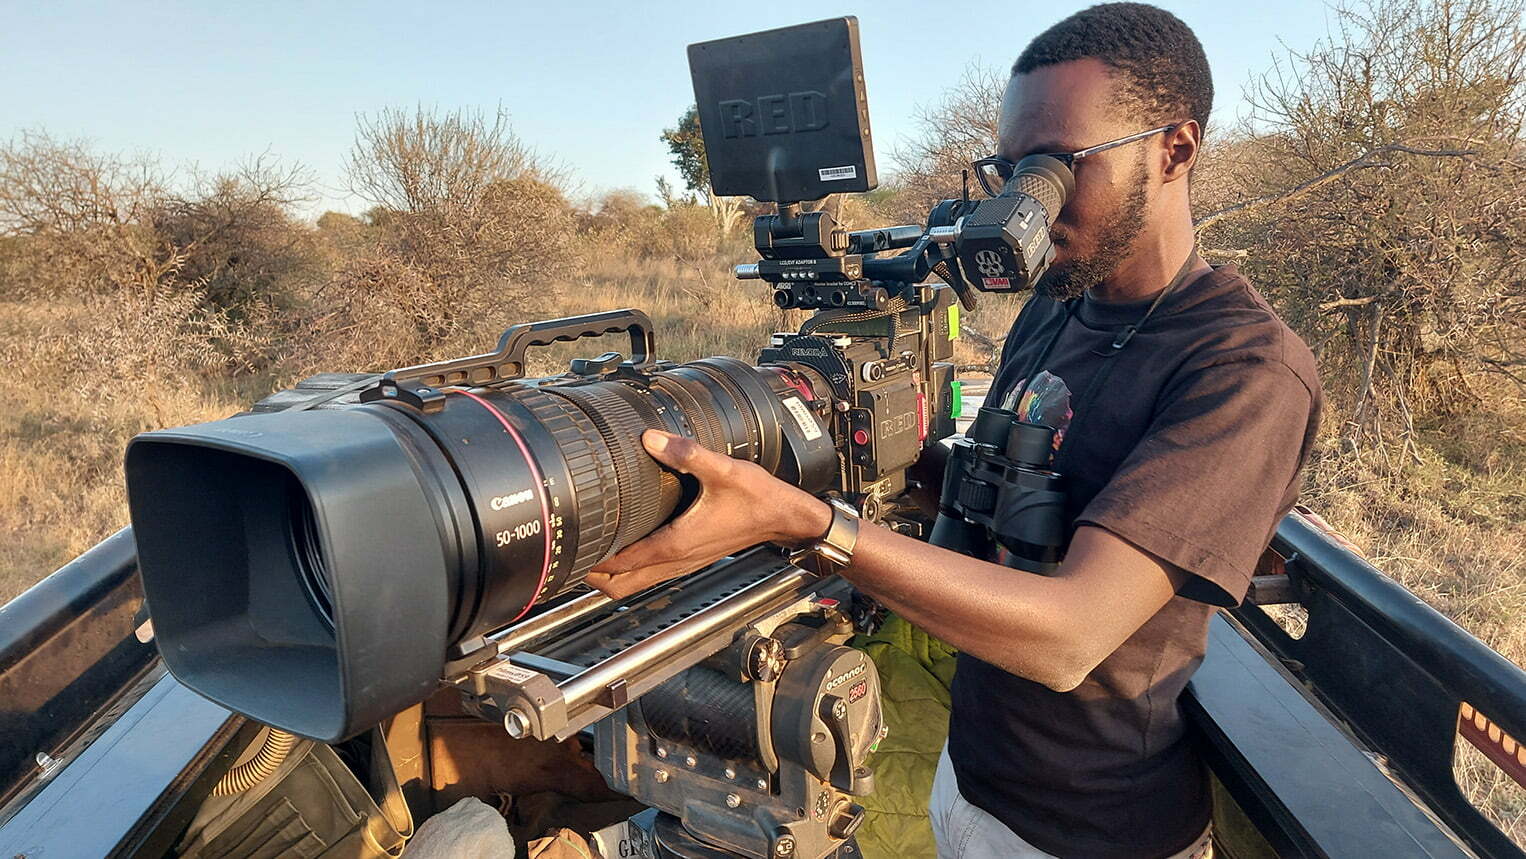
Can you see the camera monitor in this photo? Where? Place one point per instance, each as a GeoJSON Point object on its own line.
{"type": "Point", "coordinates": [783, 112]}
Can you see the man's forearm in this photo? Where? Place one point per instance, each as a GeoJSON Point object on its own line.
{"type": "Point", "coordinates": [1050, 629]}
{"type": "Point", "coordinates": [1002, 616]}
{"type": "Point", "coordinates": [1009, 619]}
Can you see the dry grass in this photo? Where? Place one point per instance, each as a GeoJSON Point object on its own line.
{"type": "Point", "coordinates": [698, 308]}
{"type": "Point", "coordinates": [68, 416]}
{"type": "Point", "coordinates": [74, 398]}
{"type": "Point", "coordinates": [1452, 529]}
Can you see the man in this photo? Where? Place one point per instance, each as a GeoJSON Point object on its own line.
{"type": "Point", "coordinates": [1194, 409]}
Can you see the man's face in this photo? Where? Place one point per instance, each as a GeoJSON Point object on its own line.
{"type": "Point", "coordinates": [1063, 108]}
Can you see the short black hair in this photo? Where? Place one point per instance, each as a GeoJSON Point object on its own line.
{"type": "Point", "coordinates": [1158, 58]}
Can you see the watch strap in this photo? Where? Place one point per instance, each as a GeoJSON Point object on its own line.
{"type": "Point", "coordinates": [837, 544]}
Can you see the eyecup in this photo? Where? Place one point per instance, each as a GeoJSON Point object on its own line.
{"type": "Point", "coordinates": [1030, 444]}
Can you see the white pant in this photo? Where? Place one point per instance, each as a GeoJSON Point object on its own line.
{"type": "Point", "coordinates": [966, 832]}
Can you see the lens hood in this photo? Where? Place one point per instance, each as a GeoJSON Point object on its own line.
{"type": "Point", "coordinates": [279, 551]}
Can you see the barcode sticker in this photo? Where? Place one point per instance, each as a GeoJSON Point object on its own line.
{"type": "Point", "coordinates": [803, 418]}
{"type": "Point", "coordinates": [832, 174]}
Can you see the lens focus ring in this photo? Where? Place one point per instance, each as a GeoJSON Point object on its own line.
{"type": "Point", "coordinates": [637, 474]}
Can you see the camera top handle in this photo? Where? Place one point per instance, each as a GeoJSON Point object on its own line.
{"type": "Point", "coordinates": [507, 362]}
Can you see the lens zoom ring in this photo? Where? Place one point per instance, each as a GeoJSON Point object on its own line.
{"type": "Point", "coordinates": [740, 402]}
{"type": "Point", "coordinates": [636, 474]}
{"type": "Point", "coordinates": [592, 470]}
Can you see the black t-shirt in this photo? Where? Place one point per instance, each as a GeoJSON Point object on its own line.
{"type": "Point", "coordinates": [1190, 450]}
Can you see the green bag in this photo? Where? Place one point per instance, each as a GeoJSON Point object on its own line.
{"type": "Point", "coordinates": [915, 672]}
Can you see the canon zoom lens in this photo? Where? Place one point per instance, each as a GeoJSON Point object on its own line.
{"type": "Point", "coordinates": [311, 569]}
{"type": "Point", "coordinates": [556, 478]}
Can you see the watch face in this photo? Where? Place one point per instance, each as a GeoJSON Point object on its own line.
{"type": "Point", "coordinates": [845, 507]}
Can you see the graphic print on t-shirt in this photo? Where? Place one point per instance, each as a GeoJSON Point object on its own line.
{"type": "Point", "coordinates": [1046, 402]}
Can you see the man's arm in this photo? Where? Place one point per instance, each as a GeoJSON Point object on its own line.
{"type": "Point", "coordinates": [1051, 629]}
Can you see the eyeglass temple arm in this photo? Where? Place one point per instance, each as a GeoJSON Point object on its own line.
{"type": "Point", "coordinates": [1112, 144]}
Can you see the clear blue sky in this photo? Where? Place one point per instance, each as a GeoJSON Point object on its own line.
{"type": "Point", "coordinates": [589, 84]}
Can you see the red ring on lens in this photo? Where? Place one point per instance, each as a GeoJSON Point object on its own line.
{"type": "Point", "coordinates": [540, 484]}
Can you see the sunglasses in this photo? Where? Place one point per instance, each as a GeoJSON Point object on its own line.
{"type": "Point", "coordinates": [993, 172]}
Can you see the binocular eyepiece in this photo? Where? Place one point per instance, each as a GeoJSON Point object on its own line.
{"type": "Point", "coordinates": [1027, 444]}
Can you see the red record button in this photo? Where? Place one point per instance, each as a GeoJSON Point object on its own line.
{"type": "Point", "coordinates": [860, 437]}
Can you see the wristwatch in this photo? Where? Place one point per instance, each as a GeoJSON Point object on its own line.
{"type": "Point", "coordinates": [836, 545]}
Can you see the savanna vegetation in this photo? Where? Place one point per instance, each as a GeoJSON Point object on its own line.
{"type": "Point", "coordinates": [1377, 196]}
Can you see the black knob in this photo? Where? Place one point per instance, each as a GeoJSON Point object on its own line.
{"type": "Point", "coordinates": [784, 843]}
{"type": "Point", "coordinates": [846, 820]}
{"type": "Point", "coordinates": [977, 497]}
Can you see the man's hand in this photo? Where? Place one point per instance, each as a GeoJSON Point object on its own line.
{"type": "Point", "coordinates": [740, 505]}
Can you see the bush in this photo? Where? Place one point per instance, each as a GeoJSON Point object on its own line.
{"type": "Point", "coordinates": [1380, 202]}
{"type": "Point", "coordinates": [468, 219]}
{"type": "Point", "coordinates": [240, 243]}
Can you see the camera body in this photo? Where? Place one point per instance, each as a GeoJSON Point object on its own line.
{"type": "Point", "coordinates": [892, 393]}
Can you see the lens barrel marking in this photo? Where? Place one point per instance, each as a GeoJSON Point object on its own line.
{"type": "Point", "coordinates": [545, 501]}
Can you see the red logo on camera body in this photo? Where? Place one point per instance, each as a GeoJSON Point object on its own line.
{"type": "Point", "coordinates": [858, 690]}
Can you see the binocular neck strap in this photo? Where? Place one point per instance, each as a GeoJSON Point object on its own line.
{"type": "Point", "coordinates": [1120, 341]}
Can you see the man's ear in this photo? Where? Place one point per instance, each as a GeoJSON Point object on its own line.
{"type": "Point", "coordinates": [1182, 150]}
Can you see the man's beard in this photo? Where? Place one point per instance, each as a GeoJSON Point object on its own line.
{"type": "Point", "coordinates": [1115, 242]}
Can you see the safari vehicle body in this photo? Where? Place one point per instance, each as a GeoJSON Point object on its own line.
{"type": "Point", "coordinates": [1339, 742]}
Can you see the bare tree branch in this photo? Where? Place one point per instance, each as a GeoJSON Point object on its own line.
{"type": "Point", "coordinates": [1365, 160]}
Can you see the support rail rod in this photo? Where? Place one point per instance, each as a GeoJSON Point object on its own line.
{"type": "Point", "coordinates": [517, 636]}
{"type": "Point", "coordinates": [585, 689]}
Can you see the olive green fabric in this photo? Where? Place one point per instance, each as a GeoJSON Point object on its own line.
{"type": "Point", "coordinates": [915, 672]}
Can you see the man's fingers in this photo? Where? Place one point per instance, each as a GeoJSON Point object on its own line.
{"type": "Point", "coordinates": [622, 585]}
{"type": "Point", "coordinates": [665, 544]}
{"type": "Point", "coordinates": [684, 454]}
{"type": "Point", "coordinates": [614, 587]}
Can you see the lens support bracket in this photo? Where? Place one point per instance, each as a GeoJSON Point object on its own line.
{"type": "Point", "coordinates": [558, 672]}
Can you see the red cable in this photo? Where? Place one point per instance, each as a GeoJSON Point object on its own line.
{"type": "Point", "coordinates": [545, 506]}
